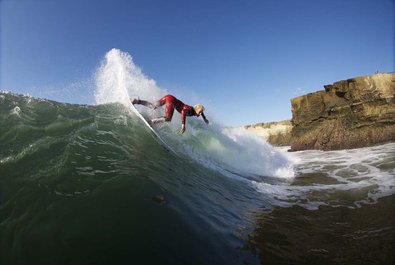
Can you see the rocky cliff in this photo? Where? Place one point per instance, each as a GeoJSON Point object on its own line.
{"type": "Point", "coordinates": [352, 113]}
{"type": "Point", "coordinates": [276, 133]}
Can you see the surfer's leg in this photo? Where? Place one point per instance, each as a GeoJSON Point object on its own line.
{"type": "Point", "coordinates": [169, 115]}
{"type": "Point", "coordinates": [169, 111]}
{"type": "Point", "coordinates": [164, 100]}
{"type": "Point", "coordinates": [143, 102]}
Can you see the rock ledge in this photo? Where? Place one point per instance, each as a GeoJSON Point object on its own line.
{"type": "Point", "coordinates": [352, 113]}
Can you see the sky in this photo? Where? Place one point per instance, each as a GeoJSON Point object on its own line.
{"type": "Point", "coordinates": [244, 60]}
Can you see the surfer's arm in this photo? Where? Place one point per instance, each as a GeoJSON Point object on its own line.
{"type": "Point", "coordinates": [183, 118]}
{"type": "Point", "coordinates": [182, 129]}
{"type": "Point", "coordinates": [204, 118]}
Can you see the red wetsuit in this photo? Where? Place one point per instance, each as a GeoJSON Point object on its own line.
{"type": "Point", "coordinates": [174, 103]}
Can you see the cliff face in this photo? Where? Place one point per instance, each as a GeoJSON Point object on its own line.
{"type": "Point", "coordinates": [352, 113]}
{"type": "Point", "coordinates": [276, 133]}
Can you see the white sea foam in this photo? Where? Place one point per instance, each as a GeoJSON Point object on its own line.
{"type": "Point", "coordinates": [257, 156]}
{"type": "Point", "coordinates": [361, 175]}
{"type": "Point", "coordinates": [16, 111]}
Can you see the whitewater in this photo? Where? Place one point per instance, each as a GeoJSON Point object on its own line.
{"type": "Point", "coordinates": [91, 184]}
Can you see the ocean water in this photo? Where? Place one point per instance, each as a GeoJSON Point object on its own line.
{"type": "Point", "coordinates": [90, 184]}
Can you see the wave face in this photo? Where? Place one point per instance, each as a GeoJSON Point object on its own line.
{"type": "Point", "coordinates": [77, 179]}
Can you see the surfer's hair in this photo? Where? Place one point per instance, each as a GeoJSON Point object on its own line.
{"type": "Point", "coordinates": [198, 108]}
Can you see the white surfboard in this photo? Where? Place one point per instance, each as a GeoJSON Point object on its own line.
{"type": "Point", "coordinates": [152, 130]}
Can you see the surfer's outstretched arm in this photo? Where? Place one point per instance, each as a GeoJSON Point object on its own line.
{"type": "Point", "coordinates": [144, 103]}
{"type": "Point", "coordinates": [204, 118]}
{"type": "Point", "coordinates": [182, 128]}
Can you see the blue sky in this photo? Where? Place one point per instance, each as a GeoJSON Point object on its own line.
{"type": "Point", "coordinates": [244, 59]}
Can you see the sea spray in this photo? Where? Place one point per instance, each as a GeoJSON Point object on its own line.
{"type": "Point", "coordinates": [118, 79]}
{"type": "Point", "coordinates": [235, 150]}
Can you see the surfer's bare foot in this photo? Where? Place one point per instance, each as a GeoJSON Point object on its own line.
{"type": "Point", "coordinates": [161, 119]}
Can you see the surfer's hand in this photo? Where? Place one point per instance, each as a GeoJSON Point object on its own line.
{"type": "Point", "coordinates": [206, 121]}
{"type": "Point", "coordinates": [182, 129]}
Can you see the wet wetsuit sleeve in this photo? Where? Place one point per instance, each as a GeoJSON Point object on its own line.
{"type": "Point", "coordinates": [183, 116]}
{"type": "Point", "coordinates": [204, 117]}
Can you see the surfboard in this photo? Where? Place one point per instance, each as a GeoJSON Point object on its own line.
{"type": "Point", "coordinates": [156, 135]}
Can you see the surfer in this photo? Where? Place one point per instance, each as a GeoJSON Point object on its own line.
{"type": "Point", "coordinates": [171, 104]}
